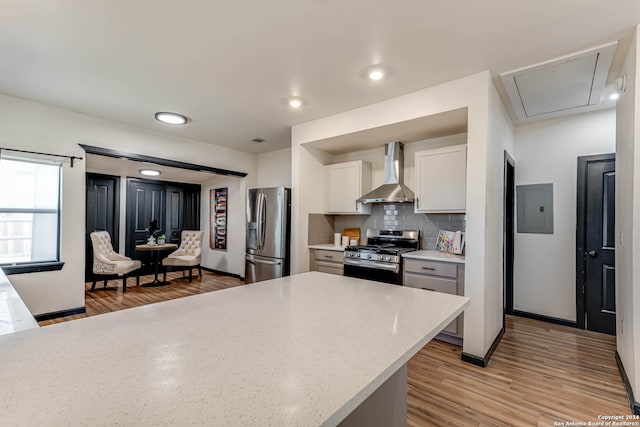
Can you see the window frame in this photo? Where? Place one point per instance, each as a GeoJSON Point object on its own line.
{"type": "Point", "coordinates": [38, 266]}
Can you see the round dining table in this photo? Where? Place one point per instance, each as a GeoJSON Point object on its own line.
{"type": "Point", "coordinates": [157, 248]}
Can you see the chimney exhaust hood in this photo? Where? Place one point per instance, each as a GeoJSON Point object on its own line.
{"type": "Point", "coordinates": [393, 190]}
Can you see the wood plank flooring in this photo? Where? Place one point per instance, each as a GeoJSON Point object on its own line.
{"type": "Point", "coordinates": [540, 373]}
{"type": "Point", "coordinates": [111, 298]}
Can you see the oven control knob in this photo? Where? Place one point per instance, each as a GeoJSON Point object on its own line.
{"type": "Point", "coordinates": [387, 258]}
{"type": "Point", "coordinates": [380, 257]}
{"type": "Point", "coordinates": [369, 256]}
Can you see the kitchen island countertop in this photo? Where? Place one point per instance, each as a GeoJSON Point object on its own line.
{"type": "Point", "coordinates": [300, 350]}
{"type": "Point", "coordinates": [433, 255]}
{"type": "Point", "coordinates": [14, 314]}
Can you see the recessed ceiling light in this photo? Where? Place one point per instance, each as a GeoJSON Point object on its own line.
{"type": "Point", "coordinates": [376, 74]}
{"type": "Point", "coordinates": [614, 96]}
{"type": "Point", "coordinates": [149, 172]}
{"type": "Point", "coordinates": [171, 118]}
{"type": "Point", "coordinates": [295, 102]}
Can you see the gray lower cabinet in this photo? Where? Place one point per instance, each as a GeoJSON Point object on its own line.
{"type": "Point", "coordinates": [325, 261]}
{"type": "Point", "coordinates": [437, 276]}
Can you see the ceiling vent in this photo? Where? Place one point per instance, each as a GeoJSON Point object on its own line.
{"type": "Point", "coordinates": [573, 81]}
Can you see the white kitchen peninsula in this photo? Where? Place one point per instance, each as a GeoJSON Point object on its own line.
{"type": "Point", "coordinates": [302, 350]}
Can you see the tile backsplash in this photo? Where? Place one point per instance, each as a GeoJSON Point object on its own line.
{"type": "Point", "coordinates": [401, 216]}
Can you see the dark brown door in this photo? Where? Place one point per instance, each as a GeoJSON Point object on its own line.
{"type": "Point", "coordinates": [175, 214]}
{"type": "Point", "coordinates": [146, 201]}
{"type": "Point", "coordinates": [183, 210]}
{"type": "Point", "coordinates": [103, 213]}
{"type": "Point", "coordinates": [599, 244]}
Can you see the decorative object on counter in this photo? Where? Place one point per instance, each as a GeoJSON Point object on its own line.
{"type": "Point", "coordinates": [153, 231]}
{"type": "Point", "coordinates": [450, 241]}
{"type": "Point", "coordinates": [353, 234]}
{"type": "Point", "coordinates": [336, 239]}
{"type": "Point", "coordinates": [218, 227]}
{"type": "Point", "coordinates": [345, 240]}
{"type": "Point", "coordinates": [353, 242]}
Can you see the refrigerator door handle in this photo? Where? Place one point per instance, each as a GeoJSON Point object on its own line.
{"type": "Point", "coordinates": [263, 218]}
{"type": "Point", "coordinates": [259, 223]}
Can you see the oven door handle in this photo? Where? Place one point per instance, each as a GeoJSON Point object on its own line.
{"type": "Point", "coordinates": [373, 264]}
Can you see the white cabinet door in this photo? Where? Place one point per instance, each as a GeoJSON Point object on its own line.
{"type": "Point", "coordinates": [344, 183]}
{"type": "Point", "coordinates": [441, 176]}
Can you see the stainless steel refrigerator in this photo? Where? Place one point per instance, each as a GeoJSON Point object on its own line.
{"type": "Point", "coordinates": [268, 233]}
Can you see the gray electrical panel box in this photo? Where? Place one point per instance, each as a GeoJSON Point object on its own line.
{"type": "Point", "coordinates": [535, 208]}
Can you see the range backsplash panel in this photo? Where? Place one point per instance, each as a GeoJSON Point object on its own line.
{"type": "Point", "coordinates": [401, 216]}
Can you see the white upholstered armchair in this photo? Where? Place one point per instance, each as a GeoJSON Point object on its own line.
{"type": "Point", "coordinates": [188, 255]}
{"type": "Point", "coordinates": [107, 262]}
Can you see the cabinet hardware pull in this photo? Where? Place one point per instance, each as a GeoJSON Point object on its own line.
{"type": "Point", "coordinates": [418, 202]}
{"type": "Point", "coordinates": [329, 256]}
{"type": "Point", "coordinates": [427, 289]}
{"type": "Point", "coordinates": [428, 268]}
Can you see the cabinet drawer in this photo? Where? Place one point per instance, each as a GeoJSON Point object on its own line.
{"type": "Point", "coordinates": [329, 267]}
{"type": "Point", "coordinates": [438, 284]}
{"type": "Point", "coordinates": [435, 268]}
{"type": "Point", "coordinates": [324, 255]}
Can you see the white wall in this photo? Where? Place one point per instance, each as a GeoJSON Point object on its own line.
{"type": "Point", "coordinates": [32, 126]}
{"type": "Point", "coordinates": [500, 138]}
{"type": "Point", "coordinates": [274, 169]}
{"type": "Point", "coordinates": [547, 152]}
{"type": "Point", "coordinates": [230, 260]}
{"type": "Point", "coordinates": [471, 92]}
{"type": "Point", "coordinates": [628, 220]}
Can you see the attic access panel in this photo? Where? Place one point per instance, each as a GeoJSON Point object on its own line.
{"type": "Point", "coordinates": [564, 83]}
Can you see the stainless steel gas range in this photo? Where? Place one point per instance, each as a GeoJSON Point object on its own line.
{"type": "Point", "coordinates": [381, 258]}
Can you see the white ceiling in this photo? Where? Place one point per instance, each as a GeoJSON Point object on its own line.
{"type": "Point", "coordinates": [228, 66]}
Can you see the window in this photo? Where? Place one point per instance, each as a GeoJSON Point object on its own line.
{"type": "Point", "coordinates": [29, 215]}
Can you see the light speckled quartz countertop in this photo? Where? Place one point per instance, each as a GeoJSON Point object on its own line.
{"type": "Point", "coordinates": [303, 350]}
{"type": "Point", "coordinates": [327, 247]}
{"type": "Point", "coordinates": [432, 255]}
{"type": "Point", "coordinates": [14, 314]}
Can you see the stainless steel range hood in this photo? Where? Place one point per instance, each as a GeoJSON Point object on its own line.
{"type": "Point", "coordinates": [393, 190]}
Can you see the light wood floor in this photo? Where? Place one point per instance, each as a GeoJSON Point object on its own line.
{"type": "Point", "coordinates": [111, 298]}
{"type": "Point", "coordinates": [540, 373]}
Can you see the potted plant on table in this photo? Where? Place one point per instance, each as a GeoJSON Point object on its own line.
{"type": "Point", "coordinates": [162, 239]}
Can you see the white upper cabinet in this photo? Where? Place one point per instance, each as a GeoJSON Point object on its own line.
{"type": "Point", "coordinates": [344, 183]}
{"type": "Point", "coordinates": [440, 179]}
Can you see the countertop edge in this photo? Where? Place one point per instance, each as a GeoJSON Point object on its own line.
{"type": "Point", "coordinates": [431, 255]}
{"type": "Point", "coordinates": [327, 247]}
{"type": "Point", "coordinates": [369, 389]}
{"type": "Point", "coordinates": [15, 315]}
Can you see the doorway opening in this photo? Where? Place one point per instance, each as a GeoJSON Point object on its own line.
{"type": "Point", "coordinates": [508, 236]}
{"type": "Point", "coordinates": [595, 244]}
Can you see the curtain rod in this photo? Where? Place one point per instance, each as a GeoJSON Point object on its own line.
{"type": "Point", "coordinates": [71, 158]}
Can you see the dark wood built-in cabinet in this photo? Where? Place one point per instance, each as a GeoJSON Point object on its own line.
{"type": "Point", "coordinates": [176, 207]}
{"type": "Point", "coordinates": [102, 213]}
